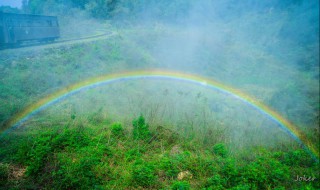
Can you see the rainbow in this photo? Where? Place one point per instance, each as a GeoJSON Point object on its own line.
{"type": "Point", "coordinates": [57, 96]}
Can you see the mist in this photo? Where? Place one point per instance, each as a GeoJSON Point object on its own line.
{"type": "Point", "coordinates": [265, 50]}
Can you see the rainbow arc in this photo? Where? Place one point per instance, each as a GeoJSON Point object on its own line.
{"type": "Point", "coordinates": [59, 95]}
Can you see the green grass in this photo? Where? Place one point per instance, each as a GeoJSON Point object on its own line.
{"type": "Point", "coordinates": [98, 139]}
{"type": "Point", "coordinates": [77, 157]}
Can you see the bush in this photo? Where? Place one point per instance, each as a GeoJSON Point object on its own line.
{"type": "Point", "coordinates": [220, 149]}
{"type": "Point", "coordinates": [297, 158]}
{"type": "Point", "coordinates": [73, 138]}
{"type": "Point", "coordinates": [77, 170]}
{"type": "Point", "coordinates": [132, 154]}
{"type": "Point", "coordinates": [244, 187]}
{"type": "Point", "coordinates": [4, 173]}
{"type": "Point", "coordinates": [117, 129]}
{"type": "Point", "coordinates": [180, 185]}
{"type": "Point", "coordinates": [215, 182]}
{"type": "Point", "coordinates": [230, 171]}
{"type": "Point", "coordinates": [169, 166]}
{"type": "Point", "coordinates": [140, 129]}
{"type": "Point", "coordinates": [266, 172]}
{"type": "Point", "coordinates": [143, 174]}
{"type": "Point", "coordinates": [38, 155]}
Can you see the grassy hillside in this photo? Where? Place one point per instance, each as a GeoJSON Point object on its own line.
{"type": "Point", "coordinates": [139, 156]}
{"type": "Point", "coordinates": [157, 134]}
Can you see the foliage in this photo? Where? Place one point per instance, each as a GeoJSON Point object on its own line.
{"type": "Point", "coordinates": [140, 129]}
{"type": "Point", "coordinates": [220, 149]}
{"type": "Point", "coordinates": [180, 185]}
{"type": "Point", "coordinates": [143, 174]}
{"type": "Point", "coordinates": [133, 154]}
{"type": "Point", "coordinates": [77, 170]}
{"type": "Point", "coordinates": [215, 182]}
{"type": "Point", "coordinates": [264, 172]}
{"type": "Point", "coordinates": [4, 173]}
{"type": "Point", "coordinates": [169, 166]}
{"type": "Point", "coordinates": [168, 10]}
{"type": "Point", "coordinates": [79, 158]}
{"type": "Point", "coordinates": [91, 156]}
{"type": "Point", "coordinates": [297, 158]}
{"type": "Point", "coordinates": [117, 129]}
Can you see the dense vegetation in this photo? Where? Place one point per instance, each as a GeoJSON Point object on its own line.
{"type": "Point", "coordinates": [86, 150]}
{"type": "Point", "coordinates": [188, 137]}
{"type": "Point", "coordinates": [169, 10]}
{"type": "Point", "coordinates": [113, 156]}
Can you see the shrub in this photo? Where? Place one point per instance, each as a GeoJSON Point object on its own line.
{"type": "Point", "coordinates": [140, 129]}
{"type": "Point", "coordinates": [73, 116]}
{"type": "Point", "coordinates": [117, 129]}
{"type": "Point", "coordinates": [215, 182]}
{"type": "Point", "coordinates": [170, 168]}
{"type": "Point", "coordinates": [229, 170]}
{"type": "Point", "coordinates": [266, 171]}
{"type": "Point", "coordinates": [143, 174]}
{"type": "Point", "coordinates": [38, 155]}
{"type": "Point", "coordinates": [244, 187]}
{"type": "Point", "coordinates": [70, 138]}
{"type": "Point", "coordinates": [220, 149]}
{"type": "Point", "coordinates": [298, 158]}
{"type": "Point", "coordinates": [78, 170]}
{"type": "Point", "coordinates": [132, 154]}
{"type": "Point", "coordinates": [180, 185]}
{"type": "Point", "coordinates": [4, 173]}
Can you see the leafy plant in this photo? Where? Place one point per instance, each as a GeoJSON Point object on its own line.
{"type": "Point", "coordinates": [220, 149]}
{"type": "Point", "coordinates": [297, 158]}
{"type": "Point", "coordinates": [169, 167]}
{"type": "Point", "coordinates": [4, 173]}
{"type": "Point", "coordinates": [143, 174]}
{"type": "Point", "coordinates": [117, 129]}
{"type": "Point", "coordinates": [38, 154]}
{"type": "Point", "coordinates": [132, 154]}
{"type": "Point", "coordinates": [215, 182]}
{"type": "Point", "coordinates": [180, 185]}
{"type": "Point", "coordinates": [140, 129]}
{"type": "Point", "coordinates": [77, 171]}
{"type": "Point", "coordinates": [265, 171]}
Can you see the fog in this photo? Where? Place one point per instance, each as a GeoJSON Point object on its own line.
{"type": "Point", "coordinates": [267, 50]}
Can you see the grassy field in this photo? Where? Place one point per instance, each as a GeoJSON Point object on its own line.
{"type": "Point", "coordinates": [94, 153]}
{"type": "Point", "coordinates": [156, 134]}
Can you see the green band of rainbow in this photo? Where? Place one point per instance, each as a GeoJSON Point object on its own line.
{"type": "Point", "coordinates": [19, 118]}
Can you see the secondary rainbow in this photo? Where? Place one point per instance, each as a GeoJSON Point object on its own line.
{"type": "Point", "coordinates": [33, 109]}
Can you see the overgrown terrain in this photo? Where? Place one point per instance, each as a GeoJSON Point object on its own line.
{"type": "Point", "coordinates": [164, 133]}
{"type": "Point", "coordinates": [112, 156]}
{"type": "Point", "coordinates": [188, 144]}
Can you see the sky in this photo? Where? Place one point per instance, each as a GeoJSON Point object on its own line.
{"type": "Point", "coordinates": [11, 3]}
